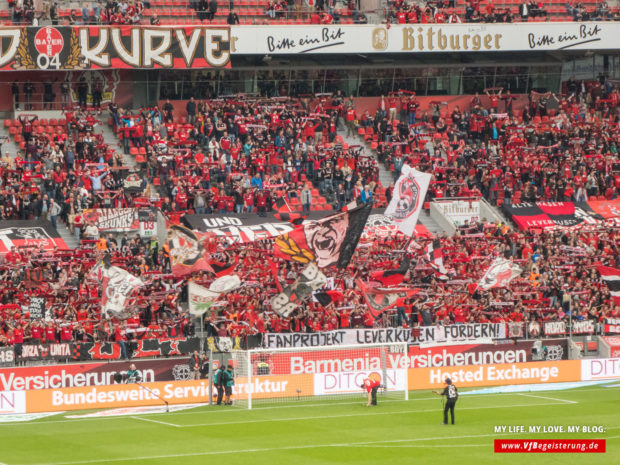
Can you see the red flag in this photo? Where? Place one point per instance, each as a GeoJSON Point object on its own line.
{"type": "Point", "coordinates": [187, 252]}
{"type": "Point", "coordinates": [611, 276]}
{"type": "Point", "coordinates": [382, 299]}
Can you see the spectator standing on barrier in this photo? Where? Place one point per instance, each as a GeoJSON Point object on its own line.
{"type": "Point", "coordinates": [371, 384]}
{"type": "Point", "coordinates": [452, 395]}
{"type": "Point", "coordinates": [194, 366]}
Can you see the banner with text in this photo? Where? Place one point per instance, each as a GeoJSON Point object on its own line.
{"type": "Point", "coordinates": [90, 374]}
{"type": "Point", "coordinates": [423, 38]}
{"type": "Point", "coordinates": [424, 334]}
{"type": "Point", "coordinates": [103, 47]}
{"type": "Point", "coordinates": [119, 219]}
{"type": "Point", "coordinates": [174, 392]}
{"type": "Point", "coordinates": [598, 369]}
{"type": "Point", "coordinates": [336, 360]}
{"type": "Point", "coordinates": [554, 328]}
{"type": "Point", "coordinates": [561, 214]}
{"type": "Point", "coordinates": [496, 374]}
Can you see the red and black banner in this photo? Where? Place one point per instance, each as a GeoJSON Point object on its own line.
{"type": "Point", "coordinates": [109, 47]}
{"type": "Point", "coordinates": [394, 276]}
{"type": "Point", "coordinates": [143, 348]}
{"type": "Point", "coordinates": [119, 219]}
{"type": "Point", "coordinates": [29, 234]}
{"type": "Point", "coordinates": [541, 215]}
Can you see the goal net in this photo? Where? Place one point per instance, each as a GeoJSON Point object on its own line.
{"type": "Point", "coordinates": [272, 376]}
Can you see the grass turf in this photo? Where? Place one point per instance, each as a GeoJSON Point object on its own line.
{"type": "Point", "coordinates": [321, 431]}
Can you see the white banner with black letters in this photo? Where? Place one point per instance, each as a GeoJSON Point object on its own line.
{"type": "Point", "coordinates": [425, 334]}
{"type": "Point", "coordinates": [560, 327]}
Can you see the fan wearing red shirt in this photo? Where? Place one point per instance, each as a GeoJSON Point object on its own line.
{"type": "Point", "coordinates": [36, 333]}
{"type": "Point", "coordinates": [371, 384]}
{"type": "Point", "coordinates": [50, 333]}
{"type": "Point", "coordinates": [66, 334]}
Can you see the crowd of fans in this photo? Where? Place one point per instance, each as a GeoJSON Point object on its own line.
{"type": "Point", "coordinates": [240, 153]}
{"type": "Point", "coordinates": [322, 12]}
{"type": "Point", "coordinates": [559, 277]}
{"type": "Point", "coordinates": [555, 148]}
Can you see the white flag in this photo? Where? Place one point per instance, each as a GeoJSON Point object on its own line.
{"type": "Point", "coordinates": [226, 283]}
{"type": "Point", "coordinates": [408, 199]}
{"type": "Point", "coordinates": [310, 279]}
{"type": "Point", "coordinates": [200, 298]}
{"type": "Point", "coordinates": [118, 284]}
{"type": "Point", "coordinates": [499, 274]}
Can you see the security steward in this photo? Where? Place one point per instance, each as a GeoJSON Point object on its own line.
{"type": "Point", "coordinates": [372, 384]}
{"type": "Point", "coordinates": [452, 395]}
{"type": "Point", "coordinates": [219, 383]}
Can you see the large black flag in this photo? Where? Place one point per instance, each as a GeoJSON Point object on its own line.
{"type": "Point", "coordinates": [328, 242]}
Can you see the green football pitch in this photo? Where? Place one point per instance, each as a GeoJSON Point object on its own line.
{"type": "Point", "coordinates": [317, 431]}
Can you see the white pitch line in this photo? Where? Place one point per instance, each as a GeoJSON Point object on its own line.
{"type": "Point", "coordinates": [349, 415]}
{"type": "Point", "coordinates": [154, 421]}
{"type": "Point", "coordinates": [272, 449]}
{"type": "Point", "coordinates": [297, 406]}
{"type": "Point", "coordinates": [549, 398]}
{"type": "Point", "coordinates": [323, 417]}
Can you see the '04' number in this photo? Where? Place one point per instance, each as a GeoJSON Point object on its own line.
{"type": "Point", "coordinates": [45, 62]}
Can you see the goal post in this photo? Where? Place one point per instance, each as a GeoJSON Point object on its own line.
{"type": "Point", "coordinates": [297, 375]}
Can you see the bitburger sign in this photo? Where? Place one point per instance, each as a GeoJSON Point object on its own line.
{"type": "Point", "coordinates": [423, 38]}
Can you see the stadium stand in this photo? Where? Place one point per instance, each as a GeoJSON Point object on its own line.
{"type": "Point", "coordinates": [258, 12]}
{"type": "Point", "coordinates": [244, 152]}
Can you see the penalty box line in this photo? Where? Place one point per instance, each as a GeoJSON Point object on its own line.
{"type": "Point", "coordinates": [296, 406]}
{"type": "Point", "coordinates": [350, 415]}
{"type": "Point", "coordinates": [150, 420]}
{"type": "Point", "coordinates": [550, 398]}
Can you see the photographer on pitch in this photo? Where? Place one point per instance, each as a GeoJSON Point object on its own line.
{"type": "Point", "coordinates": [452, 395]}
{"type": "Point", "coordinates": [133, 375]}
{"type": "Point", "coordinates": [371, 384]}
